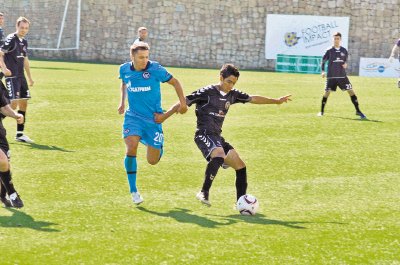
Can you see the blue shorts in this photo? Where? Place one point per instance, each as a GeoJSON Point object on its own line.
{"type": "Point", "coordinates": [151, 134]}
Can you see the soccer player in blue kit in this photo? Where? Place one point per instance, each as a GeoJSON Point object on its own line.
{"type": "Point", "coordinates": [141, 80]}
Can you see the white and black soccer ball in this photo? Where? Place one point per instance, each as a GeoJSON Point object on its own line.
{"type": "Point", "coordinates": [247, 205]}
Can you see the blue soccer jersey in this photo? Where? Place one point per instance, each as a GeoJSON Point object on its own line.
{"type": "Point", "coordinates": [143, 89]}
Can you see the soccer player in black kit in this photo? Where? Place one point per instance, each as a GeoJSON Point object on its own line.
{"type": "Point", "coordinates": [212, 105]}
{"type": "Point", "coordinates": [7, 186]}
{"type": "Point", "coordinates": [2, 37]}
{"type": "Point", "coordinates": [14, 63]}
{"type": "Point", "coordinates": [336, 56]}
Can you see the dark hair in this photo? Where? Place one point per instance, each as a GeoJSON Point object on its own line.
{"type": "Point", "coordinates": [140, 46]}
{"type": "Point", "coordinates": [22, 19]}
{"type": "Point", "coordinates": [337, 34]}
{"type": "Point", "coordinates": [1, 14]}
{"type": "Point", "coordinates": [228, 70]}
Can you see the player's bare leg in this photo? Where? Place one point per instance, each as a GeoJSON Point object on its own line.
{"type": "Point", "coordinates": [233, 159]}
{"type": "Point", "coordinates": [153, 155]}
{"type": "Point", "coordinates": [132, 143]}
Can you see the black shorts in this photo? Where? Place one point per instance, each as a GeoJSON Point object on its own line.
{"type": "Point", "coordinates": [17, 88]}
{"type": "Point", "coordinates": [3, 87]}
{"type": "Point", "coordinates": [3, 141]}
{"type": "Point", "coordinates": [208, 142]}
{"type": "Point", "coordinates": [343, 83]}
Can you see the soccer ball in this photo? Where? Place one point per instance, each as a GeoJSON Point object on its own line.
{"type": "Point", "coordinates": [247, 205]}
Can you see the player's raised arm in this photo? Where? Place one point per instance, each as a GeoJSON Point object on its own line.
{"type": "Point", "coordinates": [121, 107]}
{"type": "Point", "coordinates": [267, 100]}
{"type": "Point", "coordinates": [179, 91]}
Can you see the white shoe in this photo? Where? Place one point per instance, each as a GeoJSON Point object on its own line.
{"type": "Point", "coordinates": [24, 138]}
{"type": "Point", "coordinates": [320, 114]}
{"type": "Point", "coordinates": [203, 198]}
{"type": "Point", "coordinates": [137, 198]}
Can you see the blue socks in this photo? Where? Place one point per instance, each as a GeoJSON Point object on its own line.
{"type": "Point", "coordinates": [131, 167]}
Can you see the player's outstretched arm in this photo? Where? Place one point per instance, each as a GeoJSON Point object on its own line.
{"type": "Point", "coordinates": [179, 91]}
{"type": "Point", "coordinates": [395, 50]}
{"type": "Point", "coordinates": [121, 107]}
{"type": "Point", "coordinates": [266, 100]}
{"type": "Point", "coordinates": [9, 112]}
{"type": "Point", "coordinates": [161, 117]}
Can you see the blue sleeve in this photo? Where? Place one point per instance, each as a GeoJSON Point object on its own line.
{"type": "Point", "coordinates": [398, 42]}
{"type": "Point", "coordinates": [162, 74]}
{"type": "Point", "coordinates": [120, 74]}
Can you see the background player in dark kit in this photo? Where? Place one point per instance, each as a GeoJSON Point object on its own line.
{"type": "Point", "coordinates": [14, 62]}
{"type": "Point", "coordinates": [336, 56]}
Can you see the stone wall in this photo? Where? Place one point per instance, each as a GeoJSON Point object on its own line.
{"type": "Point", "coordinates": [206, 33]}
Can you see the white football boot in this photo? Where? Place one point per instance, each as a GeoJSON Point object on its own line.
{"type": "Point", "coordinates": [137, 198]}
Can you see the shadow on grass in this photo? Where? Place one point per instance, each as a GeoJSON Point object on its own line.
{"type": "Point", "coordinates": [44, 147]}
{"type": "Point", "coordinates": [184, 216]}
{"type": "Point", "coordinates": [20, 219]}
{"type": "Point", "coordinates": [354, 119]}
{"type": "Point", "coordinates": [58, 68]}
{"type": "Point", "coordinates": [262, 220]}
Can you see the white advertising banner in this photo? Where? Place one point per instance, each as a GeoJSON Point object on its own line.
{"type": "Point", "coordinates": [302, 35]}
{"type": "Point", "coordinates": [379, 67]}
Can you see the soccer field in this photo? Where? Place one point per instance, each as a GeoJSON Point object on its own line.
{"type": "Point", "coordinates": [329, 188]}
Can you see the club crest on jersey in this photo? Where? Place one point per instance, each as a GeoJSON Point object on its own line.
{"type": "Point", "coordinates": [126, 131]}
{"type": "Point", "coordinates": [146, 75]}
{"type": "Point", "coordinates": [227, 105]}
{"type": "Point", "coordinates": [342, 54]}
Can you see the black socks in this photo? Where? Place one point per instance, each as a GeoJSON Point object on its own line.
{"type": "Point", "coordinates": [323, 103]}
{"type": "Point", "coordinates": [241, 182]}
{"type": "Point", "coordinates": [355, 102]}
{"type": "Point", "coordinates": [5, 178]}
{"type": "Point", "coordinates": [21, 127]}
{"type": "Point", "coordinates": [211, 171]}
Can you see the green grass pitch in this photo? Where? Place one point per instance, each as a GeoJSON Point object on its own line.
{"type": "Point", "coordinates": [329, 188]}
